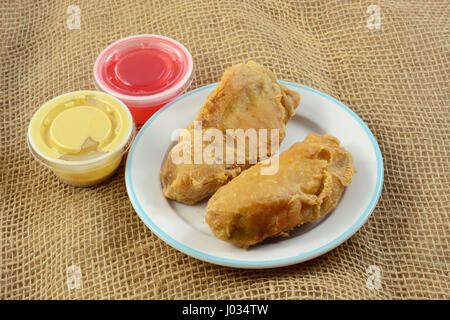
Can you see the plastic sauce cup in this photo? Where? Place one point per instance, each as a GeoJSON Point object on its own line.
{"type": "Point", "coordinates": [145, 72]}
{"type": "Point", "coordinates": [81, 136]}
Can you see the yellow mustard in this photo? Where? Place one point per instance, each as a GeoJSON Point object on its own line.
{"type": "Point", "coordinates": [81, 136]}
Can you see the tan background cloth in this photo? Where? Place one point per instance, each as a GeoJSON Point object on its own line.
{"type": "Point", "coordinates": [396, 79]}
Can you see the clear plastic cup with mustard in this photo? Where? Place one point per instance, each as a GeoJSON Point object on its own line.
{"type": "Point", "coordinates": [81, 136]}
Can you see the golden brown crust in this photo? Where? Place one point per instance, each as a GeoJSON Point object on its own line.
{"type": "Point", "coordinates": [309, 183]}
{"type": "Point", "coordinates": [248, 96]}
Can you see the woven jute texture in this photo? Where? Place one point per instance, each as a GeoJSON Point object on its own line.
{"type": "Point", "coordinates": [396, 78]}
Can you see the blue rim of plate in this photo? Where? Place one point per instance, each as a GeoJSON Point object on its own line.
{"type": "Point", "coordinates": [237, 263]}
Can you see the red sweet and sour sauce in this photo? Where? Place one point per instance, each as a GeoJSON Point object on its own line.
{"type": "Point", "coordinates": [145, 72]}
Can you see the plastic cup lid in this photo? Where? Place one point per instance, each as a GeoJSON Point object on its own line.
{"type": "Point", "coordinates": [80, 128]}
{"type": "Point", "coordinates": [144, 68]}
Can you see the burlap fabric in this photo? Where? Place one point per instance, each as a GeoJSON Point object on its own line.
{"type": "Point", "coordinates": [395, 78]}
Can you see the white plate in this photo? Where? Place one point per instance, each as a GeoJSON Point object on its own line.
{"type": "Point", "coordinates": [183, 226]}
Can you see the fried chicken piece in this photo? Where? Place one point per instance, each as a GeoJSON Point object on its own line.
{"type": "Point", "coordinates": [308, 184]}
{"type": "Point", "coordinates": [248, 96]}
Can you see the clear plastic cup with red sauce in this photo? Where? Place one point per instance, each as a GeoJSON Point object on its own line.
{"type": "Point", "coordinates": [145, 72]}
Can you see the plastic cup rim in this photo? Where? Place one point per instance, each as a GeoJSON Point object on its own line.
{"type": "Point", "coordinates": [72, 164]}
{"type": "Point", "coordinates": [157, 98]}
